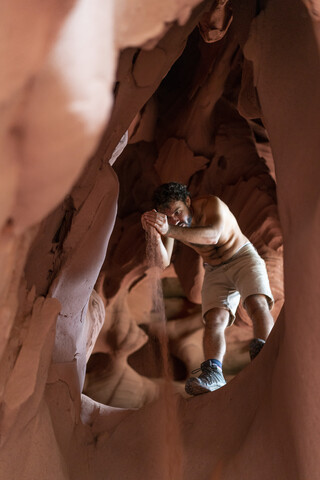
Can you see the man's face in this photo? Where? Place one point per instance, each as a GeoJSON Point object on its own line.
{"type": "Point", "coordinates": [178, 213]}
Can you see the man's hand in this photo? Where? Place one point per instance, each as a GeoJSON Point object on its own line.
{"type": "Point", "coordinates": [148, 228]}
{"type": "Point", "coordinates": [156, 220]}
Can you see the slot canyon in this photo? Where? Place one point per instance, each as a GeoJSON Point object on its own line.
{"type": "Point", "coordinates": [102, 102]}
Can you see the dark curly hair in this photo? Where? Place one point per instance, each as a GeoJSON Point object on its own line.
{"type": "Point", "coordinates": [169, 192]}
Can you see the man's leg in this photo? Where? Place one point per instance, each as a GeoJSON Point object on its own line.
{"type": "Point", "coordinates": [214, 342]}
{"type": "Point", "coordinates": [262, 320]}
{"type": "Point", "coordinates": [214, 346]}
{"type": "Point", "coordinates": [258, 310]}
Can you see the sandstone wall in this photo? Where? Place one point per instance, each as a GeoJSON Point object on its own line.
{"type": "Point", "coordinates": [194, 112]}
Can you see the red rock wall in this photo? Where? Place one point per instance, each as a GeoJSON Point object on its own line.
{"type": "Point", "coordinates": [200, 126]}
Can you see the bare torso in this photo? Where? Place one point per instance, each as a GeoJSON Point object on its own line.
{"type": "Point", "coordinates": [210, 210]}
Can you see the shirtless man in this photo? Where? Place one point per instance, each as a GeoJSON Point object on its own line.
{"type": "Point", "coordinates": [233, 270]}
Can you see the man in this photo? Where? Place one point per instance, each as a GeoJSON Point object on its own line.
{"type": "Point", "coordinates": [233, 269]}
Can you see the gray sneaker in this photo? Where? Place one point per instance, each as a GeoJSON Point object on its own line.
{"type": "Point", "coordinates": [209, 380]}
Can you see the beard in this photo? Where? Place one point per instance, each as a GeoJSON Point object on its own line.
{"type": "Point", "coordinates": [186, 223]}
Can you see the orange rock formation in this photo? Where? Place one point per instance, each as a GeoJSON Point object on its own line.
{"type": "Point", "coordinates": [101, 102]}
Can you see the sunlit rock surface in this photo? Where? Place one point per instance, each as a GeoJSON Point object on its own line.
{"type": "Point", "coordinates": [109, 100]}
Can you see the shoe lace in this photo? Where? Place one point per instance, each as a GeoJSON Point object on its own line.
{"type": "Point", "coordinates": [197, 370]}
{"type": "Point", "coordinates": [207, 373]}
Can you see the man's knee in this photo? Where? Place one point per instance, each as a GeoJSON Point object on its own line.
{"type": "Point", "coordinates": [217, 318]}
{"type": "Point", "coordinates": [255, 304]}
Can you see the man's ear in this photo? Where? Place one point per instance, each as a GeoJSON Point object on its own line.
{"type": "Point", "coordinates": [188, 201]}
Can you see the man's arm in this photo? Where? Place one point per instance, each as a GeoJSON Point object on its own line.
{"type": "Point", "coordinates": [166, 248]}
{"type": "Point", "coordinates": [164, 245]}
{"type": "Point", "coordinates": [208, 234]}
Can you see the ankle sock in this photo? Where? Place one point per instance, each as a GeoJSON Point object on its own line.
{"type": "Point", "coordinates": [216, 362]}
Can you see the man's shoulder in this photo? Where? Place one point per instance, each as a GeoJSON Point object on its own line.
{"type": "Point", "coordinates": [207, 209]}
{"type": "Point", "coordinates": [207, 201]}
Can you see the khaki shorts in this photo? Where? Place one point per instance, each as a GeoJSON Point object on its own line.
{"type": "Point", "coordinates": [242, 275]}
